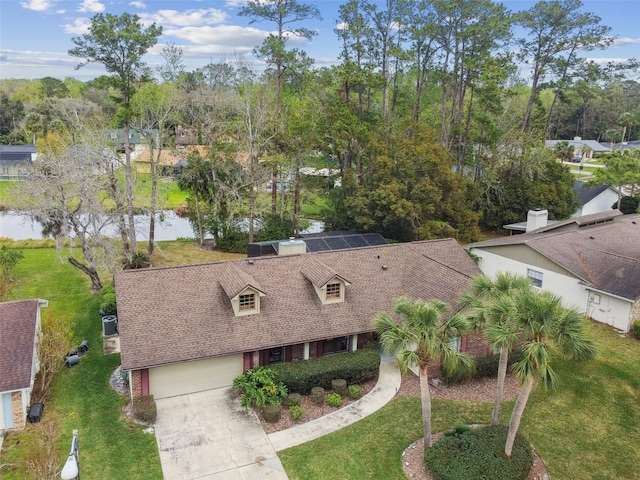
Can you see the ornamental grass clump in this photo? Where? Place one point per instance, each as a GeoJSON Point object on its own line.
{"type": "Point", "coordinates": [334, 399]}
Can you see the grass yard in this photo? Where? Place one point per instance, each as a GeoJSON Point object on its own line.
{"type": "Point", "coordinates": [5, 192]}
{"type": "Point", "coordinates": [588, 429]}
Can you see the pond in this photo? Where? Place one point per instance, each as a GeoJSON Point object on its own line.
{"type": "Point", "coordinates": [169, 226]}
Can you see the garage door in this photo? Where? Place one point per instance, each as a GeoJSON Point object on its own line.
{"type": "Point", "coordinates": [191, 377]}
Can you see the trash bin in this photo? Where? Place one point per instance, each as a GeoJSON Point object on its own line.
{"type": "Point", "coordinates": [35, 412]}
{"type": "Point", "coordinates": [71, 360]}
{"type": "Point", "coordinates": [109, 325]}
{"type": "Point", "coordinates": [84, 346]}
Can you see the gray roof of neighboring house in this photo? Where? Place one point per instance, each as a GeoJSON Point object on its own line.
{"type": "Point", "coordinates": [170, 315]}
{"type": "Point", "coordinates": [592, 144]}
{"type": "Point", "coordinates": [586, 192]}
{"type": "Point", "coordinates": [603, 250]}
{"type": "Point", "coordinates": [16, 153]}
{"type": "Point", "coordinates": [17, 336]}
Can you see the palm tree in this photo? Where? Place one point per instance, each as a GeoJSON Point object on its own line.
{"type": "Point", "coordinates": [564, 151]}
{"type": "Point", "coordinates": [547, 328]}
{"type": "Point", "coordinates": [489, 303]}
{"type": "Point", "coordinates": [424, 335]}
{"type": "Point", "coordinates": [194, 178]}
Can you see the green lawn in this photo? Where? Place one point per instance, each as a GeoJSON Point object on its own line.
{"type": "Point", "coordinates": [588, 429]}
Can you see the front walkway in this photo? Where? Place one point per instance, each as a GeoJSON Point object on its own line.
{"type": "Point", "coordinates": [389, 380]}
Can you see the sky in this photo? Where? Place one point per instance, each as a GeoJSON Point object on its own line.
{"type": "Point", "coordinates": [35, 35]}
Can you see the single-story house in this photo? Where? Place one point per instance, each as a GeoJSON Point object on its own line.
{"type": "Point", "coordinates": [594, 198]}
{"type": "Point", "coordinates": [196, 327]}
{"type": "Point", "coordinates": [19, 362]}
{"type": "Point", "coordinates": [138, 139]}
{"type": "Point", "coordinates": [586, 149]}
{"type": "Point", "coordinates": [15, 161]}
{"type": "Point", "coordinates": [592, 261]}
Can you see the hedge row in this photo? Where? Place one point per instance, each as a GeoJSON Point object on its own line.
{"type": "Point", "coordinates": [354, 367]}
{"type": "Point", "coordinates": [484, 367]}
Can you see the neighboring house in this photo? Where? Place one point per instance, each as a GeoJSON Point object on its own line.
{"type": "Point", "coordinates": [19, 362]}
{"type": "Point", "coordinates": [593, 262]}
{"type": "Point", "coordinates": [594, 198]}
{"type": "Point", "coordinates": [138, 140]}
{"type": "Point", "coordinates": [170, 158]}
{"type": "Point", "coordinates": [15, 161]}
{"type": "Point", "coordinates": [192, 328]}
{"type": "Point", "coordinates": [186, 136]}
{"type": "Point", "coordinates": [584, 148]}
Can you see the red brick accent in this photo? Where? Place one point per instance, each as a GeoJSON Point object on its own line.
{"type": "Point", "coordinates": [136, 383]}
{"type": "Point", "coordinates": [365, 340]}
{"type": "Point", "coordinates": [476, 346]}
{"type": "Point", "coordinates": [297, 352]}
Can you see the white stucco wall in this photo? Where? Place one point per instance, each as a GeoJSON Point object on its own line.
{"type": "Point", "coordinates": [611, 310]}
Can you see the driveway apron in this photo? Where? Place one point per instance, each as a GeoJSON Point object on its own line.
{"type": "Point", "coordinates": [208, 435]}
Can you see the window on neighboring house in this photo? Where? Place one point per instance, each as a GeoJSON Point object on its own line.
{"type": "Point", "coordinates": [276, 355]}
{"type": "Point", "coordinates": [333, 290]}
{"type": "Point", "coordinates": [336, 345]}
{"type": "Point", "coordinates": [455, 343]}
{"type": "Point", "coordinates": [247, 302]}
{"type": "Point", "coordinates": [535, 277]}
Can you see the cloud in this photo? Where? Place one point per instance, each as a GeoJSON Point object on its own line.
{"type": "Point", "coordinates": [139, 5]}
{"type": "Point", "coordinates": [93, 6]}
{"type": "Point", "coordinates": [79, 26]}
{"type": "Point", "coordinates": [607, 60]}
{"type": "Point", "coordinates": [37, 5]}
{"type": "Point", "coordinates": [230, 37]}
{"type": "Point", "coordinates": [625, 41]}
{"type": "Point", "coordinates": [188, 18]}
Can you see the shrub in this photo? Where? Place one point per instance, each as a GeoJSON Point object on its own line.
{"type": "Point", "coordinates": [479, 454]}
{"type": "Point", "coordinates": [293, 399]}
{"type": "Point", "coordinates": [296, 412]}
{"type": "Point", "coordinates": [353, 367]}
{"type": "Point", "coordinates": [108, 300]}
{"type": "Point", "coordinates": [272, 413]}
{"type": "Point", "coordinates": [233, 240]}
{"type": "Point", "coordinates": [484, 367]}
{"type": "Point", "coordinates": [334, 399]}
{"type": "Point", "coordinates": [144, 409]}
{"type": "Point", "coordinates": [339, 386]}
{"type": "Point", "coordinates": [354, 391]}
{"type": "Point", "coordinates": [258, 387]}
{"type": "Point", "coordinates": [139, 260]}
{"type": "Point", "coordinates": [636, 329]}
{"type": "Point", "coordinates": [317, 395]}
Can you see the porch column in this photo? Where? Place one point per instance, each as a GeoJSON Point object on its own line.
{"type": "Point", "coordinates": [354, 342]}
{"type": "Point", "coordinates": [305, 354]}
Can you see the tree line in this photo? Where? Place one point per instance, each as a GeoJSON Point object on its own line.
{"type": "Point", "coordinates": [433, 130]}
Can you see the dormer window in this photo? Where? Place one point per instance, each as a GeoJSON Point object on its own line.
{"type": "Point", "coordinates": [246, 302]}
{"type": "Point", "coordinates": [334, 290]}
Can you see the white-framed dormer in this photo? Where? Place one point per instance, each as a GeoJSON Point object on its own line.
{"type": "Point", "coordinates": [247, 302]}
{"type": "Point", "coordinates": [328, 284]}
{"type": "Point", "coordinates": [243, 291]}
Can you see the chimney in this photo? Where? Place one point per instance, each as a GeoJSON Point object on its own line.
{"type": "Point", "coordinates": [536, 219]}
{"type": "Point", "coordinates": [292, 247]}
{"type": "Point", "coordinates": [577, 139]}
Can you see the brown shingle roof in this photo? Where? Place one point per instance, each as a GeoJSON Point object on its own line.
{"type": "Point", "coordinates": [170, 315]}
{"type": "Point", "coordinates": [233, 280]}
{"type": "Point", "coordinates": [605, 256]}
{"type": "Point", "coordinates": [17, 336]}
{"type": "Point", "coordinates": [318, 273]}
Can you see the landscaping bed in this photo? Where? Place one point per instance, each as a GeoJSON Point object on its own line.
{"type": "Point", "coordinates": [311, 410]}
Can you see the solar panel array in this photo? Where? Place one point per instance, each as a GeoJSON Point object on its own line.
{"type": "Point", "coordinates": [322, 242]}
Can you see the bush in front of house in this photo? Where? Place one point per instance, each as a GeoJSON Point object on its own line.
{"type": "Point", "coordinates": [296, 412]}
{"type": "Point", "coordinates": [293, 399]}
{"type": "Point", "coordinates": [354, 391]}
{"type": "Point", "coordinates": [317, 395]}
{"type": "Point", "coordinates": [272, 413]}
{"type": "Point", "coordinates": [145, 409]}
{"type": "Point", "coordinates": [259, 387]}
{"type": "Point", "coordinates": [353, 367]}
{"type": "Point", "coordinates": [466, 453]}
{"type": "Point", "coordinates": [484, 367]}
{"type": "Point", "coordinates": [334, 399]}
{"type": "Point", "coordinates": [339, 386]}
{"type": "Point", "coordinates": [636, 329]}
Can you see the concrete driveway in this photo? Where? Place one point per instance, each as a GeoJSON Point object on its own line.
{"type": "Point", "coordinates": [208, 435]}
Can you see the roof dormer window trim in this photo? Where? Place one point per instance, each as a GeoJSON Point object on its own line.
{"type": "Point", "coordinates": [247, 302]}
{"type": "Point", "coordinates": [333, 291]}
